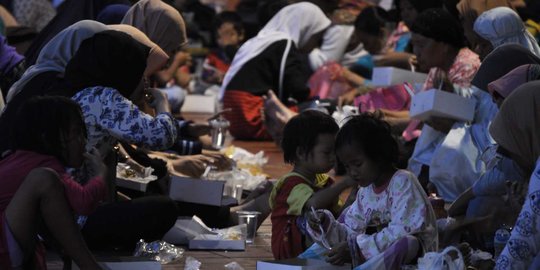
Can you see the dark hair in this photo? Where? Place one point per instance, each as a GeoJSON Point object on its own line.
{"type": "Point", "coordinates": [229, 17]}
{"type": "Point", "coordinates": [440, 25]}
{"type": "Point", "coordinates": [371, 20]}
{"type": "Point", "coordinates": [373, 135]}
{"type": "Point", "coordinates": [302, 131]}
{"type": "Point", "coordinates": [42, 122]}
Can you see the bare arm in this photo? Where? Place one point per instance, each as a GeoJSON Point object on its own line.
{"type": "Point", "coordinates": [325, 197]}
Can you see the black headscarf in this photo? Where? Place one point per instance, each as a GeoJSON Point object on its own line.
{"type": "Point", "coordinates": [440, 25]}
{"type": "Point", "coordinates": [109, 58]}
{"type": "Point", "coordinates": [501, 61]}
{"type": "Point", "coordinates": [69, 12]}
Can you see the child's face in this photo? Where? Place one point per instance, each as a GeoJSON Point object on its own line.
{"type": "Point", "coordinates": [360, 168]}
{"type": "Point", "coordinates": [228, 36]}
{"type": "Point", "coordinates": [322, 158]}
{"type": "Point", "coordinates": [74, 143]}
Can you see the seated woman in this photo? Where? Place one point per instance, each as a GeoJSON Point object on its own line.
{"type": "Point", "coordinates": [502, 25]}
{"type": "Point", "coordinates": [391, 222]}
{"type": "Point", "coordinates": [469, 10]}
{"type": "Point", "coordinates": [467, 145]}
{"type": "Point", "coordinates": [45, 74]}
{"type": "Point", "coordinates": [492, 184]}
{"type": "Point", "coordinates": [271, 60]}
{"type": "Point", "coordinates": [37, 195]}
{"type": "Point", "coordinates": [515, 129]}
{"type": "Point", "coordinates": [164, 25]}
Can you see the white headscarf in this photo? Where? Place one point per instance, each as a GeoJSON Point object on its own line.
{"type": "Point", "coordinates": [297, 22]}
{"type": "Point", "coordinates": [503, 25]}
{"type": "Point", "coordinates": [56, 54]}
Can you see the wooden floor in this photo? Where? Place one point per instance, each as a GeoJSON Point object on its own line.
{"type": "Point", "coordinates": [260, 249]}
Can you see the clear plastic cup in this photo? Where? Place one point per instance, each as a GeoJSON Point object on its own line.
{"type": "Point", "coordinates": [250, 218]}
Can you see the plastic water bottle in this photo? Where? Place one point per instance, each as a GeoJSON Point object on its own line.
{"type": "Point", "coordinates": [501, 238]}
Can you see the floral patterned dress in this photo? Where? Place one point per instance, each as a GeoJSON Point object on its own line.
{"type": "Point", "coordinates": [109, 117]}
{"type": "Point", "coordinates": [523, 249]}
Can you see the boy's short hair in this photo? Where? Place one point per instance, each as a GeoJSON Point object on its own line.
{"type": "Point", "coordinates": [302, 131]}
{"type": "Point", "coordinates": [229, 17]}
{"type": "Point", "coordinates": [373, 135]}
{"type": "Point", "coordinates": [372, 20]}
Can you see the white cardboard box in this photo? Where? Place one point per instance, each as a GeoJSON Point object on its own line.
{"type": "Point", "coordinates": [132, 184]}
{"type": "Point", "coordinates": [186, 229]}
{"type": "Point", "coordinates": [214, 242]}
{"type": "Point", "coordinates": [441, 104]}
{"type": "Point", "coordinates": [208, 192]}
{"type": "Point", "coordinates": [385, 76]}
{"type": "Point", "coordinates": [200, 104]}
{"type": "Point", "coordinates": [299, 264]}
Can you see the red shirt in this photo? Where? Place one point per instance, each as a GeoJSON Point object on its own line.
{"type": "Point", "coordinates": [14, 169]}
{"type": "Point", "coordinates": [287, 238]}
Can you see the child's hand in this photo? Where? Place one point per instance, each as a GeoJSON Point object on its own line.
{"type": "Point", "coordinates": [314, 219]}
{"type": "Point", "coordinates": [340, 254]}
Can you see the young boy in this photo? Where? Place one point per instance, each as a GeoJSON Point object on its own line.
{"type": "Point", "coordinates": [229, 32]}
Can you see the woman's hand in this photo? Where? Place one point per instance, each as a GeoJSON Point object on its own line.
{"type": "Point", "coordinates": [158, 100]}
{"type": "Point", "coordinates": [340, 254]}
{"type": "Point", "coordinates": [459, 206]}
{"type": "Point", "coordinates": [192, 166]}
{"type": "Point", "coordinates": [347, 98]}
{"type": "Point", "coordinates": [182, 58]}
{"type": "Point", "coordinates": [95, 163]}
{"type": "Point", "coordinates": [221, 161]}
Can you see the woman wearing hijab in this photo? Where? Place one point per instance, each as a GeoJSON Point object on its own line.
{"type": "Point", "coordinates": [469, 10]}
{"type": "Point", "coordinates": [516, 130]}
{"type": "Point", "coordinates": [479, 196]}
{"type": "Point", "coordinates": [103, 76]}
{"type": "Point", "coordinates": [271, 60]}
{"type": "Point", "coordinates": [488, 190]}
{"type": "Point", "coordinates": [463, 145]}
{"type": "Point", "coordinates": [45, 74]}
{"type": "Point", "coordinates": [501, 61]}
{"type": "Point", "coordinates": [160, 22]}
{"type": "Point", "coordinates": [501, 88]}
{"type": "Point", "coordinates": [503, 25]}
{"type": "Point", "coordinates": [164, 25]}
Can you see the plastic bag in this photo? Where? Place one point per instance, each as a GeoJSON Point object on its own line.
{"type": "Point", "coordinates": [315, 251]}
{"type": "Point", "coordinates": [234, 266]}
{"type": "Point", "coordinates": [441, 261]}
{"type": "Point", "coordinates": [160, 251]}
{"type": "Point", "coordinates": [192, 264]}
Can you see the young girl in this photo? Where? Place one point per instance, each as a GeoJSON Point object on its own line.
{"type": "Point", "coordinates": [37, 195]}
{"type": "Point", "coordinates": [391, 222]}
{"type": "Point", "coordinates": [308, 144]}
